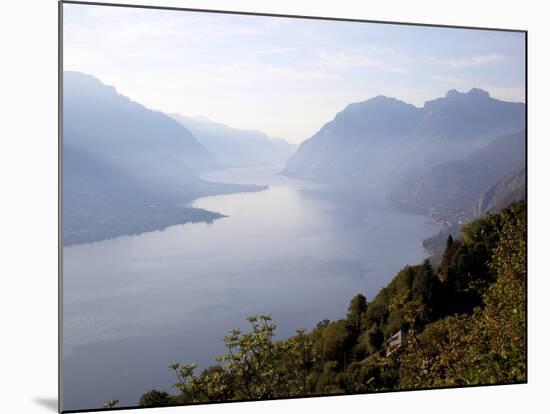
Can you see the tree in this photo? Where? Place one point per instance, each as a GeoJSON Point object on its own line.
{"type": "Point", "coordinates": [487, 346]}
{"type": "Point", "coordinates": [375, 338]}
{"type": "Point", "coordinates": [356, 313]}
{"type": "Point", "coordinates": [254, 367]}
{"type": "Point", "coordinates": [110, 403]}
{"type": "Point", "coordinates": [155, 398]}
{"type": "Point", "coordinates": [334, 340]}
{"type": "Point", "coordinates": [467, 327]}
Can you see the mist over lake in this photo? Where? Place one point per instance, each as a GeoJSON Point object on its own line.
{"type": "Point", "coordinates": [166, 249]}
{"type": "Point", "coordinates": [363, 182]}
{"type": "Point", "coordinates": [140, 303]}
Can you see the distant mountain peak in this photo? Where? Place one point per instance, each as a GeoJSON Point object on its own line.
{"type": "Point", "coordinates": [381, 98]}
{"type": "Point", "coordinates": [478, 92]}
{"type": "Point", "coordinates": [474, 92]}
{"type": "Point", "coordinates": [234, 147]}
{"type": "Point", "coordinates": [351, 147]}
{"type": "Point", "coordinates": [80, 82]}
{"type": "Point", "coordinates": [454, 97]}
{"type": "Point", "coordinates": [381, 102]}
{"type": "Point", "coordinates": [385, 99]}
{"type": "Point", "coordinates": [98, 118]}
{"type": "Point", "coordinates": [81, 75]}
{"type": "Point", "coordinates": [453, 93]}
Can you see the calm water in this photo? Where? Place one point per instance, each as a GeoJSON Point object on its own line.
{"type": "Point", "coordinates": [135, 304]}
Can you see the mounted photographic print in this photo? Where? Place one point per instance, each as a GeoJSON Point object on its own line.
{"type": "Point", "coordinates": [258, 207]}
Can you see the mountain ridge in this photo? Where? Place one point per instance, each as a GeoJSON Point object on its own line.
{"type": "Point", "coordinates": [128, 169]}
{"type": "Point", "coordinates": [380, 139]}
{"type": "Point", "coordinates": [235, 147]}
{"type": "Point", "coordinates": [489, 177]}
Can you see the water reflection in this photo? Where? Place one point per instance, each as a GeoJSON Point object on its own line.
{"type": "Point", "coordinates": [135, 304]}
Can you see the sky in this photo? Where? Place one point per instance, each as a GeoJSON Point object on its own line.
{"type": "Point", "coordinates": [283, 76]}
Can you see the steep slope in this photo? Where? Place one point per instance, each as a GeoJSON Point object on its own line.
{"type": "Point", "coordinates": [382, 139]}
{"type": "Point", "coordinates": [234, 147]}
{"type": "Point", "coordinates": [473, 184]}
{"type": "Point", "coordinates": [507, 190]}
{"type": "Point", "coordinates": [99, 120]}
{"type": "Point", "coordinates": [127, 169]}
{"type": "Point", "coordinates": [470, 116]}
{"type": "Point", "coordinates": [349, 147]}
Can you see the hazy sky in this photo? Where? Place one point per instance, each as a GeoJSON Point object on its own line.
{"type": "Point", "coordinates": [285, 77]}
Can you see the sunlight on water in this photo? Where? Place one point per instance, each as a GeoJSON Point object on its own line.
{"type": "Point", "coordinates": [135, 304]}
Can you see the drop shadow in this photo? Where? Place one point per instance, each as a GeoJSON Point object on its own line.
{"type": "Point", "coordinates": [49, 403]}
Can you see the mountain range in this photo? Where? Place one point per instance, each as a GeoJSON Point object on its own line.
{"type": "Point", "coordinates": [126, 168]}
{"type": "Point", "coordinates": [234, 147]}
{"type": "Point", "coordinates": [488, 178]}
{"type": "Point", "coordinates": [443, 155]}
{"type": "Point", "coordinates": [382, 138]}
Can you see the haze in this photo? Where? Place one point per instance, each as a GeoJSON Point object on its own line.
{"type": "Point", "coordinates": [304, 71]}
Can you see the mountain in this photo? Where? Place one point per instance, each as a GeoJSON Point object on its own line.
{"type": "Point", "coordinates": [99, 120]}
{"type": "Point", "coordinates": [470, 116]}
{"type": "Point", "coordinates": [378, 141]}
{"type": "Point", "coordinates": [361, 132]}
{"type": "Point", "coordinates": [127, 169]}
{"type": "Point", "coordinates": [510, 188]}
{"type": "Point", "coordinates": [489, 177]}
{"type": "Point", "coordinates": [234, 147]}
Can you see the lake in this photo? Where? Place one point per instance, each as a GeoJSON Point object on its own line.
{"type": "Point", "coordinates": [135, 304]}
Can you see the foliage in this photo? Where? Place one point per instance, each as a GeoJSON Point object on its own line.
{"type": "Point", "coordinates": [489, 345]}
{"type": "Point", "coordinates": [155, 398]}
{"type": "Point", "coordinates": [465, 322]}
{"type": "Point", "coordinates": [110, 403]}
{"type": "Point", "coordinates": [254, 367]}
{"type": "Point", "coordinates": [356, 312]}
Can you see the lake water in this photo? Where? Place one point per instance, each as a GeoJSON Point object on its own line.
{"type": "Point", "coordinates": [135, 304]}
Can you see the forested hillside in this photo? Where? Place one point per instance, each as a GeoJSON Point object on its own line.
{"type": "Point", "coordinates": [461, 323]}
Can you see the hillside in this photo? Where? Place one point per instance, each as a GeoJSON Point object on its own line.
{"type": "Point", "coordinates": [473, 184]}
{"type": "Point", "coordinates": [462, 323]}
{"type": "Point", "coordinates": [127, 169]}
{"type": "Point", "coordinates": [377, 142]}
{"type": "Point", "coordinates": [97, 117]}
{"type": "Point", "coordinates": [510, 188]}
{"type": "Point", "coordinates": [353, 145]}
